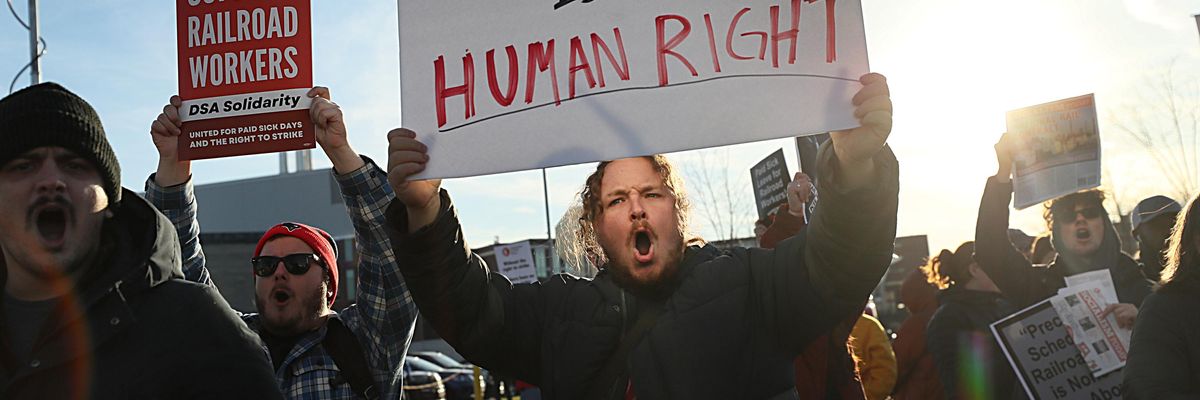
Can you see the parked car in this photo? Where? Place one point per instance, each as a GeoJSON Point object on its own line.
{"type": "Point", "coordinates": [423, 385]}
{"type": "Point", "coordinates": [492, 388]}
{"type": "Point", "coordinates": [441, 359]}
{"type": "Point", "coordinates": [460, 383]}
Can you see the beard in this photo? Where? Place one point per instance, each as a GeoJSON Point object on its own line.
{"type": "Point", "coordinates": [658, 286]}
{"type": "Point", "coordinates": [73, 257]}
{"type": "Point", "coordinates": [76, 263]}
{"type": "Point", "coordinates": [281, 324]}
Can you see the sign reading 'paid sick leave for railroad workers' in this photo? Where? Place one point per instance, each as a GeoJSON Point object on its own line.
{"type": "Point", "coordinates": [494, 86]}
{"type": "Point", "coordinates": [770, 179]}
{"type": "Point", "coordinates": [245, 68]}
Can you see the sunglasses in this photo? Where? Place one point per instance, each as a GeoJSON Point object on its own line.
{"type": "Point", "coordinates": [296, 264]}
{"type": "Point", "coordinates": [1088, 213]}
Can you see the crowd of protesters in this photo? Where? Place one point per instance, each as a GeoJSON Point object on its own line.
{"type": "Point", "coordinates": [107, 293]}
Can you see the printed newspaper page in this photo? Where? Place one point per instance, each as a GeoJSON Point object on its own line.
{"type": "Point", "coordinates": [1102, 343]}
{"type": "Point", "coordinates": [1058, 150]}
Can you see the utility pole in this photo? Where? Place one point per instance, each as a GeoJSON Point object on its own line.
{"type": "Point", "coordinates": [549, 241]}
{"type": "Point", "coordinates": [35, 65]}
{"type": "Point", "coordinates": [546, 197]}
{"type": "Point", "coordinates": [303, 160]}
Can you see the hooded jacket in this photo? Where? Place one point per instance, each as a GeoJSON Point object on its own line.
{"type": "Point", "coordinates": [916, 378]}
{"type": "Point", "coordinates": [134, 329]}
{"type": "Point", "coordinates": [1025, 284]}
{"type": "Point", "coordinates": [730, 329]}
{"type": "Point", "coordinates": [960, 339]}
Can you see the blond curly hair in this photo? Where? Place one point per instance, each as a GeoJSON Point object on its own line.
{"type": "Point", "coordinates": [586, 242]}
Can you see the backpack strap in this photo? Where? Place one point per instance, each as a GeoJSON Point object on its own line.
{"type": "Point", "coordinates": [347, 354]}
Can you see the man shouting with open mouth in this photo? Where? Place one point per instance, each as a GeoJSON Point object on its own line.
{"type": "Point", "coordinates": [667, 316]}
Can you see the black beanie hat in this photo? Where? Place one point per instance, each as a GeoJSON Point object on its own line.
{"type": "Point", "coordinates": [48, 114]}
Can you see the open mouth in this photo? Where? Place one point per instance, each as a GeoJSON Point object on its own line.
{"type": "Point", "coordinates": [52, 224]}
{"type": "Point", "coordinates": [643, 246]}
{"type": "Point", "coordinates": [281, 296]}
{"type": "Point", "coordinates": [1083, 234]}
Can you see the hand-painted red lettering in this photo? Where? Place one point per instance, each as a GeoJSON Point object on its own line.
{"type": "Point", "coordinates": [467, 89]}
{"type": "Point", "coordinates": [788, 35]}
{"type": "Point", "coordinates": [762, 46]}
{"type": "Point", "coordinates": [830, 33]}
{"type": "Point", "coordinates": [597, 44]}
{"type": "Point", "coordinates": [508, 96]}
{"type": "Point", "coordinates": [576, 66]}
{"type": "Point", "coordinates": [541, 58]}
{"type": "Point", "coordinates": [664, 48]}
{"type": "Point", "coordinates": [712, 43]}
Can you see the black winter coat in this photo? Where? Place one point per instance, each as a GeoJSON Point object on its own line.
{"type": "Point", "coordinates": [1164, 353]}
{"type": "Point", "coordinates": [141, 331]}
{"type": "Point", "coordinates": [730, 329]}
{"type": "Point", "coordinates": [1025, 284]}
{"type": "Point", "coordinates": [963, 323]}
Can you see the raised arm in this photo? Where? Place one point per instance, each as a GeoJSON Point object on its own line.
{"type": "Point", "coordinates": [170, 190]}
{"type": "Point", "coordinates": [1011, 272]}
{"type": "Point", "coordinates": [488, 320]}
{"type": "Point", "coordinates": [814, 280]}
{"type": "Point", "coordinates": [178, 203]}
{"type": "Point", "coordinates": [383, 314]}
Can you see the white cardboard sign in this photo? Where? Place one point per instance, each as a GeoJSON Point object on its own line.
{"type": "Point", "coordinates": [496, 86]}
{"type": "Point", "coordinates": [1047, 361]}
{"type": "Point", "coordinates": [515, 262]}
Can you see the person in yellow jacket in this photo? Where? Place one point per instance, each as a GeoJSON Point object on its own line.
{"type": "Point", "coordinates": [873, 357]}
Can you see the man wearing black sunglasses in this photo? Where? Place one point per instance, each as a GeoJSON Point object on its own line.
{"type": "Point", "coordinates": [292, 296]}
{"type": "Point", "coordinates": [295, 264]}
{"type": "Point", "coordinates": [1079, 230]}
{"type": "Point", "coordinates": [317, 353]}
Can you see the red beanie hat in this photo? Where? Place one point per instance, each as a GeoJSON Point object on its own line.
{"type": "Point", "coordinates": [320, 241]}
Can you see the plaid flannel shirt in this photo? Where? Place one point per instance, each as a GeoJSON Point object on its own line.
{"type": "Point", "coordinates": [382, 318]}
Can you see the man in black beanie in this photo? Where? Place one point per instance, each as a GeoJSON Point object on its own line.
{"type": "Point", "coordinates": [94, 301]}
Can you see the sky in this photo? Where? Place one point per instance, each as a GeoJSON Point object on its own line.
{"type": "Point", "coordinates": [954, 69]}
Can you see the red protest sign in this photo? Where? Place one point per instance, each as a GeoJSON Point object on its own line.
{"type": "Point", "coordinates": [244, 70]}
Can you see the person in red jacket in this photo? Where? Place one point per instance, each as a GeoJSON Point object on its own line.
{"type": "Point", "coordinates": [824, 369]}
{"type": "Point", "coordinates": [917, 377]}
